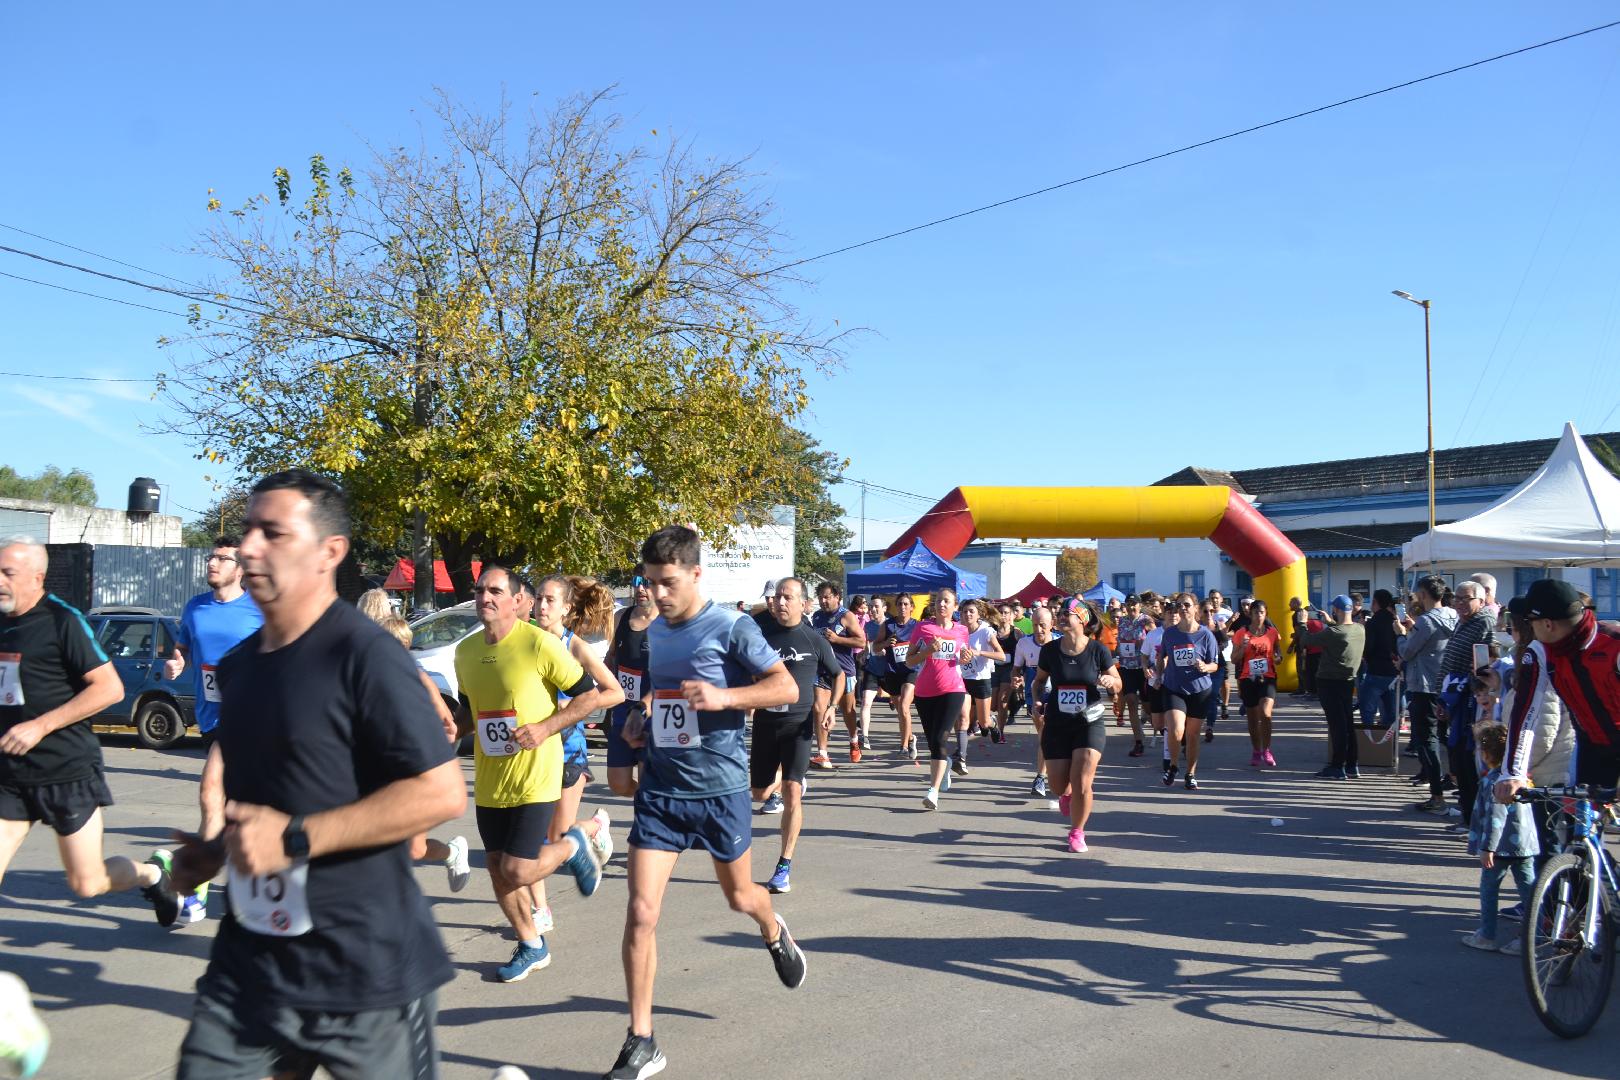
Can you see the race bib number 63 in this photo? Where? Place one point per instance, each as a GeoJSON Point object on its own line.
{"type": "Point", "coordinates": [497, 733]}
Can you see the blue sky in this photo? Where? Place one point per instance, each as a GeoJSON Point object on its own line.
{"type": "Point", "coordinates": [1243, 288]}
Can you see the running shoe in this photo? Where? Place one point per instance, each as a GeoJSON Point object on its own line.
{"type": "Point", "coordinates": [1038, 787]}
{"type": "Point", "coordinates": [1077, 840]}
{"type": "Point", "coordinates": [1434, 805]}
{"type": "Point", "coordinates": [1052, 805]}
{"type": "Point", "coordinates": [866, 741]}
{"type": "Point", "coordinates": [997, 736]}
{"type": "Point", "coordinates": [791, 966]}
{"type": "Point", "coordinates": [821, 761]}
{"type": "Point", "coordinates": [583, 864]}
{"type": "Point", "coordinates": [1352, 772]}
{"type": "Point", "coordinates": [945, 782]}
{"type": "Point", "coordinates": [855, 752]}
{"type": "Point", "coordinates": [1064, 803]}
{"type": "Point", "coordinates": [1478, 940]}
{"type": "Point", "coordinates": [603, 840]}
{"type": "Point", "coordinates": [772, 804]}
{"type": "Point", "coordinates": [456, 867]}
{"type": "Point", "coordinates": [779, 882]}
{"type": "Point", "coordinates": [160, 894]}
{"type": "Point", "coordinates": [543, 922]}
{"type": "Point", "coordinates": [959, 765]}
{"type": "Point", "coordinates": [24, 1039]}
{"type": "Point", "coordinates": [1256, 760]}
{"type": "Point", "coordinates": [1191, 782]}
{"type": "Point", "coordinates": [193, 909]}
{"type": "Point", "coordinates": [1331, 772]}
{"type": "Point", "coordinates": [639, 1058]}
{"type": "Point", "coordinates": [911, 749]}
{"type": "Point", "coordinates": [1419, 780]}
{"type": "Point", "coordinates": [1513, 948]}
{"type": "Point", "coordinates": [931, 799]}
{"type": "Point", "coordinates": [1138, 750]}
{"type": "Point", "coordinates": [1170, 774]}
{"type": "Point", "coordinates": [1268, 760]}
{"type": "Point", "coordinates": [1209, 734]}
{"type": "Point", "coordinates": [525, 958]}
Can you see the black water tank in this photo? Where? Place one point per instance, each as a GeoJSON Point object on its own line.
{"type": "Point", "coordinates": [144, 496]}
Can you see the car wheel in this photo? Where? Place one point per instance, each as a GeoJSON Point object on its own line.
{"type": "Point", "coordinates": [159, 725]}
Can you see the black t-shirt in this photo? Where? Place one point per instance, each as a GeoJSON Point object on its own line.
{"type": "Point", "coordinates": [899, 634]}
{"type": "Point", "coordinates": [45, 653]}
{"type": "Point", "coordinates": [1382, 643]}
{"type": "Point", "coordinates": [629, 650]}
{"type": "Point", "coordinates": [1008, 642]}
{"type": "Point", "coordinates": [320, 723]}
{"type": "Point", "coordinates": [1069, 673]}
{"type": "Point", "coordinates": [807, 656]}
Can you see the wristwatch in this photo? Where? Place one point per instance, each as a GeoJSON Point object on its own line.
{"type": "Point", "coordinates": [294, 840]}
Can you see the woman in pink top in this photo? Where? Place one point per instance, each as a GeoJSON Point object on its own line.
{"type": "Point", "coordinates": [936, 650]}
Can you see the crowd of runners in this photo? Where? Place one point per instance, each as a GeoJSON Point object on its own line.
{"type": "Point", "coordinates": [332, 757]}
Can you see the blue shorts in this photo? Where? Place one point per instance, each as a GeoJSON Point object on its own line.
{"type": "Point", "coordinates": [722, 825]}
{"type": "Point", "coordinates": [620, 754]}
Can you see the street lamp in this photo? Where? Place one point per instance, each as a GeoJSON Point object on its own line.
{"type": "Point", "coordinates": [1428, 388]}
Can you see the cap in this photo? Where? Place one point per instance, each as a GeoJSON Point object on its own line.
{"type": "Point", "coordinates": [1342, 602]}
{"type": "Point", "coordinates": [1133, 599]}
{"type": "Point", "coordinates": [1519, 607]}
{"type": "Point", "coordinates": [1246, 601]}
{"type": "Point", "coordinates": [1550, 599]}
{"type": "Point", "coordinates": [770, 590]}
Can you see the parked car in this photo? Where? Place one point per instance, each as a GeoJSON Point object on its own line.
{"type": "Point", "coordinates": [137, 640]}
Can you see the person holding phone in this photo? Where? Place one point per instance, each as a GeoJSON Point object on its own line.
{"type": "Point", "coordinates": [1378, 696]}
{"type": "Point", "coordinates": [1474, 627]}
{"type": "Point", "coordinates": [1341, 643]}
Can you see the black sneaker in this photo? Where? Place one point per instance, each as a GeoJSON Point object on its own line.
{"type": "Point", "coordinates": [1209, 734]}
{"type": "Point", "coordinates": [1331, 772]}
{"type": "Point", "coordinates": [1138, 750]}
{"type": "Point", "coordinates": [1431, 806]}
{"type": "Point", "coordinates": [1191, 782]}
{"type": "Point", "coordinates": [1352, 772]}
{"type": "Point", "coordinates": [161, 895]}
{"type": "Point", "coordinates": [791, 965]}
{"type": "Point", "coordinates": [1170, 774]}
{"type": "Point", "coordinates": [639, 1058]}
{"type": "Point", "coordinates": [959, 765]}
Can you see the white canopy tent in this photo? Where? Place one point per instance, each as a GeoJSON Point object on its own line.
{"type": "Point", "coordinates": [1566, 514]}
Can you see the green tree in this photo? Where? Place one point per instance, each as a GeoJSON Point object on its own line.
{"type": "Point", "coordinates": [803, 478]}
{"type": "Point", "coordinates": [532, 341]}
{"type": "Point", "coordinates": [74, 487]}
{"type": "Point", "coordinates": [1076, 569]}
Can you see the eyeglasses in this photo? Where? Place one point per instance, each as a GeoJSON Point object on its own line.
{"type": "Point", "coordinates": [222, 558]}
{"type": "Point", "coordinates": [1186, 606]}
{"type": "Point", "coordinates": [638, 580]}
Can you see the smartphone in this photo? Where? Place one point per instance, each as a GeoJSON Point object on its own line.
{"type": "Point", "coordinates": [1482, 656]}
{"type": "Point", "coordinates": [1400, 612]}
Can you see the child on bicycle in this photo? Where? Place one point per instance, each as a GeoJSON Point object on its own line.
{"type": "Point", "coordinates": [1504, 838]}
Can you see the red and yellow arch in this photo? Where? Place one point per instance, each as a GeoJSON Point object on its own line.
{"type": "Point", "coordinates": [1113, 513]}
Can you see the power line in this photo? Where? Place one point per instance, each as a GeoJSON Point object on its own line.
{"type": "Point", "coordinates": [96, 254]}
{"type": "Point", "coordinates": [71, 378]}
{"type": "Point", "coordinates": [1185, 149]}
{"type": "Point", "coordinates": [96, 296]}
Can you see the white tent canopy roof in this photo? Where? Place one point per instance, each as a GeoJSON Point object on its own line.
{"type": "Point", "coordinates": [1566, 514]}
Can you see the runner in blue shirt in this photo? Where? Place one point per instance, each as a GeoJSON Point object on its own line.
{"type": "Point", "coordinates": [708, 665]}
{"type": "Point", "coordinates": [212, 624]}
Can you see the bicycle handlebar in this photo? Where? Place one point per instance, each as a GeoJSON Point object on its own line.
{"type": "Point", "coordinates": [1598, 795]}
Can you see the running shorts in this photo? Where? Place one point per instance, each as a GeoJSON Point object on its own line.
{"type": "Point", "coordinates": [1254, 691]}
{"type": "Point", "coordinates": [895, 681]}
{"type": "Point", "coordinates": [573, 771]}
{"type": "Point", "coordinates": [977, 689]}
{"type": "Point", "coordinates": [1060, 738]}
{"type": "Point", "coordinates": [722, 825]}
{"type": "Point", "coordinates": [780, 742]}
{"type": "Point", "coordinates": [1195, 706]}
{"type": "Point", "coordinates": [1155, 698]}
{"type": "Point", "coordinates": [1131, 680]}
{"type": "Point", "coordinates": [518, 831]}
{"type": "Point", "coordinates": [66, 807]}
{"type": "Point", "coordinates": [1001, 675]}
{"type": "Point", "coordinates": [870, 682]}
{"type": "Point", "coordinates": [620, 754]}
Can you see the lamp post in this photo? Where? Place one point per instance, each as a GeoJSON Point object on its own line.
{"type": "Point", "coordinates": [1428, 407]}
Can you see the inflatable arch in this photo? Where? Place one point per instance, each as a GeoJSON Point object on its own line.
{"type": "Point", "coordinates": [1217, 513]}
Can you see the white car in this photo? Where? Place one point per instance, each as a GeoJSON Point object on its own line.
{"type": "Point", "coordinates": [433, 645]}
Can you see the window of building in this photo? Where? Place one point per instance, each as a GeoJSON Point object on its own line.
{"type": "Point", "coordinates": [1245, 583]}
{"type": "Point", "coordinates": [1316, 582]}
{"type": "Point", "coordinates": [1524, 575]}
{"type": "Point", "coordinates": [1606, 593]}
{"type": "Point", "coordinates": [1192, 581]}
{"type": "Point", "coordinates": [1125, 583]}
{"type": "Point", "coordinates": [1362, 586]}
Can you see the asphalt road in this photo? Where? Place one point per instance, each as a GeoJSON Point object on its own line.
{"type": "Point", "coordinates": [1195, 939]}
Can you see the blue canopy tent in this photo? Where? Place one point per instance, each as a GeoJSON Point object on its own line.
{"type": "Point", "coordinates": [915, 570]}
{"type": "Point", "coordinates": [1101, 593]}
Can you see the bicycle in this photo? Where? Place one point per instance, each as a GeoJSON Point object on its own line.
{"type": "Point", "coordinates": [1574, 914]}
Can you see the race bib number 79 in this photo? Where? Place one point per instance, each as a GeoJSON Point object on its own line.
{"type": "Point", "coordinates": [11, 679]}
{"type": "Point", "coordinates": [674, 722]}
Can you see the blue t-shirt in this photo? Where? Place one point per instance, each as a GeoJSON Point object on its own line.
{"type": "Point", "coordinates": [575, 749]}
{"type": "Point", "coordinates": [209, 630]}
{"type": "Point", "coordinates": [1183, 652]}
{"type": "Point", "coordinates": [717, 646]}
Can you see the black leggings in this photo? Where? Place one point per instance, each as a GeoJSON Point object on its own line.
{"type": "Point", "coordinates": [939, 716]}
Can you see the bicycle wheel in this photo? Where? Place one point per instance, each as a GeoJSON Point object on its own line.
{"type": "Point", "coordinates": [1568, 978]}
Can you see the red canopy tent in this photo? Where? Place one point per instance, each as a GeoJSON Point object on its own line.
{"type": "Point", "coordinates": [403, 577]}
{"type": "Point", "coordinates": [1039, 589]}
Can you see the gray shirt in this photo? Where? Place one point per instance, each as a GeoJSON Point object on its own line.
{"type": "Point", "coordinates": [1422, 649]}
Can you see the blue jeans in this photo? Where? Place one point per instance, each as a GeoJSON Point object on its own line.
{"type": "Point", "coordinates": [1523, 869]}
{"type": "Point", "coordinates": [1378, 698]}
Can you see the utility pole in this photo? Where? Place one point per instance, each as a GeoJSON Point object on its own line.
{"type": "Point", "coordinates": [863, 524]}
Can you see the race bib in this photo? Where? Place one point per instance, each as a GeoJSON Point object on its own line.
{"type": "Point", "coordinates": [273, 904]}
{"type": "Point", "coordinates": [944, 648]}
{"type": "Point", "coordinates": [11, 679]}
{"type": "Point", "coordinates": [900, 651]}
{"type": "Point", "coordinates": [674, 722]}
{"type": "Point", "coordinates": [1071, 700]}
{"type": "Point", "coordinates": [1184, 655]}
{"type": "Point", "coordinates": [1257, 667]}
{"type": "Point", "coordinates": [630, 680]}
{"type": "Point", "coordinates": [1127, 649]}
{"type": "Point", "coordinates": [210, 677]}
{"type": "Point", "coordinates": [497, 733]}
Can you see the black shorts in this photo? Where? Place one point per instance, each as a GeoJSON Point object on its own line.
{"type": "Point", "coordinates": [1063, 735]}
{"type": "Point", "coordinates": [518, 831]}
{"type": "Point", "coordinates": [235, 1040]}
{"type": "Point", "coordinates": [66, 807]}
{"type": "Point", "coordinates": [977, 689]}
{"type": "Point", "coordinates": [1154, 696]}
{"type": "Point", "coordinates": [1194, 706]}
{"type": "Point", "coordinates": [1001, 675]}
{"type": "Point", "coordinates": [780, 742]}
{"type": "Point", "coordinates": [895, 681]}
{"type": "Point", "coordinates": [1131, 680]}
{"type": "Point", "coordinates": [1254, 691]}
{"type": "Point", "coordinates": [870, 682]}
{"type": "Point", "coordinates": [573, 771]}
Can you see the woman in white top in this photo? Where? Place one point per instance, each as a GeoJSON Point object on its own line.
{"type": "Point", "coordinates": [978, 665]}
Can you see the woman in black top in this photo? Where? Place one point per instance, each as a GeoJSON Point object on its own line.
{"type": "Point", "coordinates": [1377, 692]}
{"type": "Point", "coordinates": [1076, 728]}
{"type": "Point", "coordinates": [1003, 700]}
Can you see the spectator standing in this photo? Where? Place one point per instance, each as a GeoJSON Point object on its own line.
{"type": "Point", "coordinates": [1339, 646]}
{"type": "Point", "coordinates": [1474, 627]}
{"type": "Point", "coordinates": [1504, 839]}
{"type": "Point", "coordinates": [1428, 631]}
{"type": "Point", "coordinates": [1378, 694]}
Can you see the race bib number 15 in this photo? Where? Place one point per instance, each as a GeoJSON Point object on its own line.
{"type": "Point", "coordinates": [11, 679]}
{"type": "Point", "coordinates": [674, 722]}
{"type": "Point", "coordinates": [273, 904]}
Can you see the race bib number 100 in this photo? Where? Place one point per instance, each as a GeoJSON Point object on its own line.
{"type": "Point", "coordinates": [945, 648]}
{"type": "Point", "coordinates": [674, 722]}
{"type": "Point", "coordinates": [497, 733]}
{"type": "Point", "coordinates": [273, 904]}
{"type": "Point", "coordinates": [11, 679]}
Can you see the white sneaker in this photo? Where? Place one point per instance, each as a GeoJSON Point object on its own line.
{"type": "Point", "coordinates": [930, 799]}
{"type": "Point", "coordinates": [1477, 940]}
{"type": "Point", "coordinates": [24, 1039]}
{"type": "Point", "coordinates": [508, 1072]}
{"type": "Point", "coordinates": [603, 840]}
{"type": "Point", "coordinates": [193, 909]}
{"type": "Point", "coordinates": [456, 868]}
{"type": "Point", "coordinates": [1053, 805]}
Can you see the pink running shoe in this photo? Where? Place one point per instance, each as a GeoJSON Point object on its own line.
{"type": "Point", "coordinates": [1256, 759]}
{"type": "Point", "coordinates": [1267, 759]}
{"type": "Point", "coordinates": [1077, 840]}
{"type": "Point", "coordinates": [1063, 805]}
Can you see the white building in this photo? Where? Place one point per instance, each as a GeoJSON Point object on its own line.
{"type": "Point", "coordinates": [1350, 518]}
{"type": "Point", "coordinates": [63, 523]}
{"type": "Point", "coordinates": [1007, 567]}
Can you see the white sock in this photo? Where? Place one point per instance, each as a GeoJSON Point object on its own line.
{"type": "Point", "coordinates": [535, 942]}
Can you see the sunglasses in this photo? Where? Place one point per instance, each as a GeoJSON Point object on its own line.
{"type": "Point", "coordinates": [639, 580]}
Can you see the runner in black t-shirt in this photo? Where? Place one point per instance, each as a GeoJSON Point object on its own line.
{"type": "Point", "coordinates": [1079, 667]}
{"type": "Point", "coordinates": [900, 680]}
{"type": "Point", "coordinates": [53, 678]}
{"type": "Point", "coordinates": [628, 660]}
{"type": "Point", "coordinates": [333, 760]}
{"type": "Point", "coordinates": [783, 733]}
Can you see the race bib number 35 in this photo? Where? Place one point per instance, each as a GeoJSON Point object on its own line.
{"type": "Point", "coordinates": [1071, 700]}
{"type": "Point", "coordinates": [11, 679]}
{"type": "Point", "coordinates": [276, 905]}
{"type": "Point", "coordinates": [210, 680]}
{"type": "Point", "coordinates": [1257, 667]}
{"type": "Point", "coordinates": [674, 722]}
{"type": "Point", "coordinates": [497, 733]}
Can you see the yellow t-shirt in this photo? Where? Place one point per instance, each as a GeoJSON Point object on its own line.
{"type": "Point", "coordinates": [511, 683]}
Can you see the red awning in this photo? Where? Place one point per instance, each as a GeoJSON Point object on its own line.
{"type": "Point", "coordinates": [1039, 589]}
{"type": "Point", "coordinates": [403, 577]}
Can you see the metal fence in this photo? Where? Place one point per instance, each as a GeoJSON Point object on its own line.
{"type": "Point", "coordinates": [107, 575]}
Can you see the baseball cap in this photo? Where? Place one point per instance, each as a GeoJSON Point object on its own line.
{"type": "Point", "coordinates": [1342, 602]}
{"type": "Point", "coordinates": [1133, 599]}
{"type": "Point", "coordinates": [1550, 599]}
